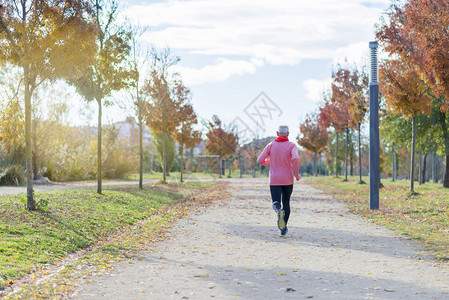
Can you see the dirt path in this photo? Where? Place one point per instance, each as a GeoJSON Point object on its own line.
{"type": "Point", "coordinates": [233, 251]}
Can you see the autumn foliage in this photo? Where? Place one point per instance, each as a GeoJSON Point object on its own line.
{"type": "Point", "coordinates": [314, 136]}
{"type": "Point", "coordinates": [404, 90]}
{"type": "Point", "coordinates": [417, 32]}
{"type": "Point", "coordinates": [219, 141]}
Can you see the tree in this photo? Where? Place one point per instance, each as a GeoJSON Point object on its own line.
{"type": "Point", "coordinates": [357, 85]}
{"type": "Point", "coordinates": [219, 141]}
{"type": "Point", "coordinates": [406, 94]}
{"type": "Point", "coordinates": [162, 111]}
{"type": "Point", "coordinates": [252, 152]}
{"type": "Point", "coordinates": [314, 139]}
{"type": "Point", "coordinates": [139, 100]}
{"type": "Point", "coordinates": [344, 87]}
{"type": "Point", "coordinates": [417, 32]}
{"type": "Point", "coordinates": [185, 135]}
{"type": "Point", "coordinates": [109, 71]}
{"type": "Point", "coordinates": [334, 113]}
{"type": "Point", "coordinates": [48, 40]}
{"type": "Point", "coordinates": [170, 150]}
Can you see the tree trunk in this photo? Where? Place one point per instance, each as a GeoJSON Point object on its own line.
{"type": "Point", "coordinates": [336, 152]}
{"type": "Point", "coordinates": [319, 163]}
{"type": "Point", "coordinates": [99, 173]}
{"type": "Point", "coordinates": [314, 163]}
{"type": "Point", "coordinates": [424, 169]}
{"type": "Point", "coordinates": [230, 168]}
{"type": "Point", "coordinates": [34, 150]}
{"type": "Point", "coordinates": [412, 158]}
{"type": "Point", "coordinates": [346, 154]}
{"type": "Point", "coordinates": [254, 168]}
{"type": "Point", "coordinates": [351, 159]}
{"type": "Point", "coordinates": [164, 158]}
{"type": "Point", "coordinates": [360, 155]}
{"type": "Point", "coordinates": [240, 165]}
{"type": "Point", "coordinates": [140, 152]}
{"type": "Point", "coordinates": [434, 154]}
{"type": "Point", "coordinates": [393, 163]}
{"type": "Point", "coordinates": [446, 174]}
{"type": "Point", "coordinates": [420, 167]}
{"type": "Point", "coordinates": [442, 120]}
{"type": "Point", "coordinates": [182, 160]}
{"type": "Point", "coordinates": [31, 204]}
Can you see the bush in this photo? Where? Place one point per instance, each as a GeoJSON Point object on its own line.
{"type": "Point", "coordinates": [13, 175]}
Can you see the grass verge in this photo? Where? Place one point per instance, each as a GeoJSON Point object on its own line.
{"type": "Point", "coordinates": [423, 216]}
{"type": "Point", "coordinates": [111, 227]}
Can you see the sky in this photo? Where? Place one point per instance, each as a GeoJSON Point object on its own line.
{"type": "Point", "coordinates": [258, 63]}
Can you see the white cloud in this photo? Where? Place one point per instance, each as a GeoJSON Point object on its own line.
{"type": "Point", "coordinates": [357, 53]}
{"type": "Point", "coordinates": [315, 88]}
{"type": "Point", "coordinates": [274, 32]}
{"type": "Point", "coordinates": [217, 72]}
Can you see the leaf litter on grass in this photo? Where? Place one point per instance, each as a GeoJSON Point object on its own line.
{"type": "Point", "coordinates": [423, 217]}
{"type": "Point", "coordinates": [136, 231]}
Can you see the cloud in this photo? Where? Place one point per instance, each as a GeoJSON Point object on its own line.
{"type": "Point", "coordinates": [220, 71]}
{"type": "Point", "coordinates": [315, 88]}
{"type": "Point", "coordinates": [277, 33]}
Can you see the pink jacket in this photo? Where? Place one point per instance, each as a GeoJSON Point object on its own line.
{"type": "Point", "coordinates": [284, 160]}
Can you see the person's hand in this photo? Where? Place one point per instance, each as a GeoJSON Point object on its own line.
{"type": "Point", "coordinates": [266, 161]}
{"type": "Point", "coordinates": [298, 177]}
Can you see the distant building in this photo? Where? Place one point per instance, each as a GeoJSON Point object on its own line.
{"type": "Point", "coordinates": [129, 131]}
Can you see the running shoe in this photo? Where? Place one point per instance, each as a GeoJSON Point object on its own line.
{"type": "Point", "coordinates": [284, 232]}
{"type": "Point", "coordinates": [281, 220]}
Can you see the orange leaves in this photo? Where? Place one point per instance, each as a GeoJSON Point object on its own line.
{"type": "Point", "coordinates": [417, 33]}
{"type": "Point", "coordinates": [163, 111]}
{"type": "Point", "coordinates": [220, 142]}
{"type": "Point", "coordinates": [348, 102]}
{"type": "Point", "coordinates": [314, 137]}
{"type": "Point", "coordinates": [185, 134]}
{"type": "Point", "coordinates": [404, 90]}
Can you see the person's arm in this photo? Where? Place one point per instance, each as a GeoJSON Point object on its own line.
{"type": "Point", "coordinates": [264, 157]}
{"type": "Point", "coordinates": [295, 162]}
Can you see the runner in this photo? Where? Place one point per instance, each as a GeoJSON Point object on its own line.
{"type": "Point", "coordinates": [284, 159]}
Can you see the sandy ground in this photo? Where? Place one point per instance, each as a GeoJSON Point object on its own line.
{"type": "Point", "coordinates": [233, 250]}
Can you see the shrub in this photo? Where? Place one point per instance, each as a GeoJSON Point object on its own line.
{"type": "Point", "coordinates": [13, 175]}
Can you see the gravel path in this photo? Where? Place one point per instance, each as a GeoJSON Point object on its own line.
{"type": "Point", "coordinates": [233, 250]}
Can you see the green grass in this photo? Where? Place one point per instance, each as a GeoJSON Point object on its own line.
{"type": "Point", "coordinates": [75, 220]}
{"type": "Point", "coordinates": [423, 217]}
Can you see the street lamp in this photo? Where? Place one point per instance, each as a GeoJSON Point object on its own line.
{"type": "Point", "coordinates": [374, 151]}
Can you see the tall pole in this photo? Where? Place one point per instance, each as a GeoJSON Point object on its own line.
{"type": "Point", "coordinates": [374, 151]}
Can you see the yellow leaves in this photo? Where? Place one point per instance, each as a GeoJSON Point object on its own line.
{"type": "Point", "coordinates": [404, 91]}
{"type": "Point", "coordinates": [11, 126]}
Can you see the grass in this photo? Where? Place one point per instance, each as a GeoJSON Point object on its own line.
{"type": "Point", "coordinates": [75, 220]}
{"type": "Point", "coordinates": [423, 216]}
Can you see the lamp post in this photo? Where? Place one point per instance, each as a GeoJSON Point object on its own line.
{"type": "Point", "coordinates": [374, 151]}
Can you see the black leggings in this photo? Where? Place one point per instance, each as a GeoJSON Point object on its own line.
{"type": "Point", "coordinates": [282, 192]}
